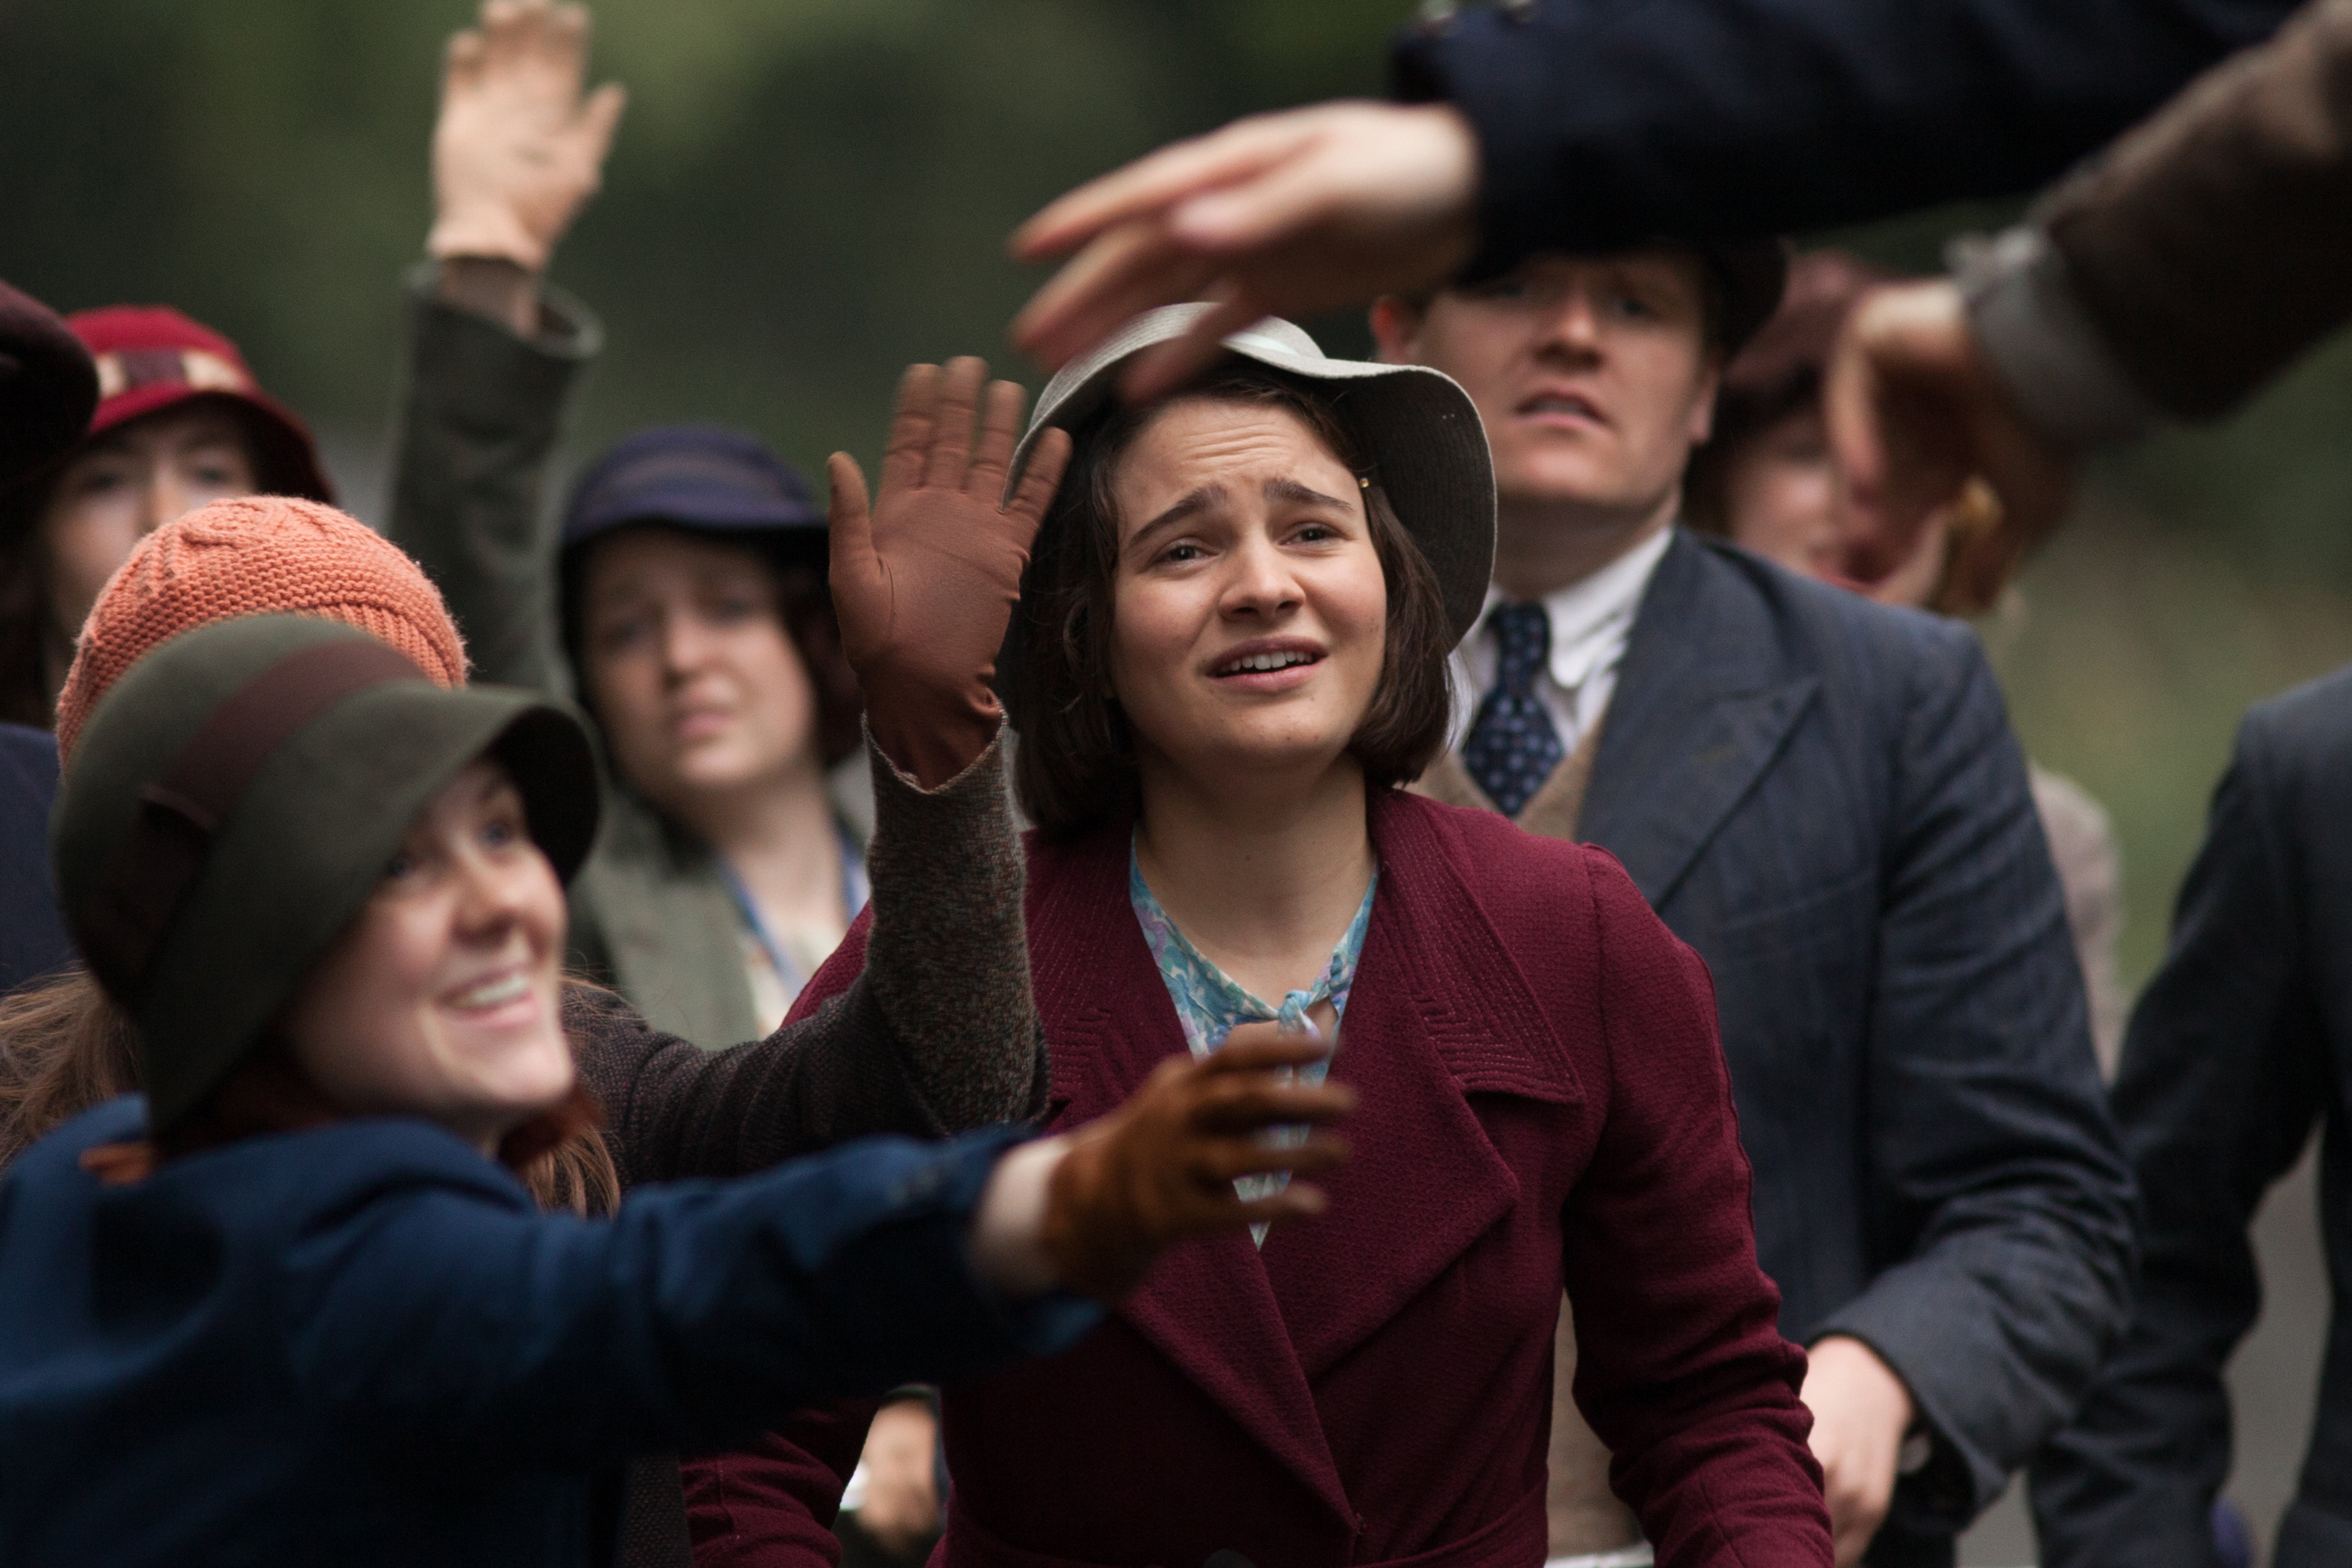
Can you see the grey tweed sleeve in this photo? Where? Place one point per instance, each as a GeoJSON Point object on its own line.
{"type": "Point", "coordinates": [948, 957]}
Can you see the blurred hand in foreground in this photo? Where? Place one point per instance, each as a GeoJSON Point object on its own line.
{"type": "Point", "coordinates": [1278, 215]}
{"type": "Point", "coordinates": [1162, 1167]}
{"type": "Point", "coordinates": [902, 1496]}
{"type": "Point", "coordinates": [925, 576]}
{"type": "Point", "coordinates": [517, 149]}
{"type": "Point", "coordinates": [1914, 413]}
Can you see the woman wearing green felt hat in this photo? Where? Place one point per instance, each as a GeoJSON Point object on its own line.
{"type": "Point", "coordinates": [292, 1305]}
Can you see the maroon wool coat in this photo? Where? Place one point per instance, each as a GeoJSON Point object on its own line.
{"type": "Point", "coordinates": [1543, 1104]}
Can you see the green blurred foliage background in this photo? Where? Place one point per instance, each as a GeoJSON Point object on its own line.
{"type": "Point", "coordinates": [808, 194]}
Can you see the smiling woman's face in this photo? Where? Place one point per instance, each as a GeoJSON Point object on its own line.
{"type": "Point", "coordinates": [1250, 613]}
{"type": "Point", "coordinates": [443, 997]}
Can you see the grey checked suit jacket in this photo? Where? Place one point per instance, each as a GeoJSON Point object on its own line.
{"type": "Point", "coordinates": [1823, 797]}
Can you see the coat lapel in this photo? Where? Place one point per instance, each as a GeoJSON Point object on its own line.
{"type": "Point", "coordinates": [1206, 1305]}
{"type": "Point", "coordinates": [1704, 703]}
{"type": "Point", "coordinates": [1438, 1010]}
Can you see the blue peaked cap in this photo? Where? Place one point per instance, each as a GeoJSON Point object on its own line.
{"type": "Point", "coordinates": [702, 477]}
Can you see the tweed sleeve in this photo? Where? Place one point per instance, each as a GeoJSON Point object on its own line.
{"type": "Point", "coordinates": [939, 1036]}
{"type": "Point", "coordinates": [948, 952]}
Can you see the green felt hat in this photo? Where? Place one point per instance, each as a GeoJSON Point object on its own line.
{"type": "Point", "coordinates": [234, 801]}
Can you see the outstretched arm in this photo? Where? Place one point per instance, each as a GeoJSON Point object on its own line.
{"type": "Point", "coordinates": [493, 353]}
{"type": "Point", "coordinates": [420, 1295]}
{"type": "Point", "coordinates": [1587, 125]}
{"type": "Point", "coordinates": [2172, 277]}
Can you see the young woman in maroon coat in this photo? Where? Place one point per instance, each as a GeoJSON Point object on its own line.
{"type": "Point", "coordinates": [1230, 658]}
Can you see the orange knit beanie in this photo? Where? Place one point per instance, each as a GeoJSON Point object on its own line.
{"type": "Point", "coordinates": [256, 555]}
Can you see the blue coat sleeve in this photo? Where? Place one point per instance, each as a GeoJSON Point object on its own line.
{"type": "Point", "coordinates": [436, 1308]}
{"type": "Point", "coordinates": [2225, 1070]}
{"type": "Point", "coordinates": [1606, 122]}
{"type": "Point", "coordinates": [1999, 1196]}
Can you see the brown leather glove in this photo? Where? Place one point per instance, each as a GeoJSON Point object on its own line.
{"type": "Point", "coordinates": [925, 580]}
{"type": "Point", "coordinates": [1162, 1167]}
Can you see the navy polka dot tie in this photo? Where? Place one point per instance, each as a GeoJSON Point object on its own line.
{"type": "Point", "coordinates": [1513, 747]}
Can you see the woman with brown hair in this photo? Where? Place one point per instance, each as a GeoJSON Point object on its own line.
{"type": "Point", "coordinates": [287, 1306]}
{"type": "Point", "coordinates": [940, 1036]}
{"type": "Point", "coordinates": [1229, 659]}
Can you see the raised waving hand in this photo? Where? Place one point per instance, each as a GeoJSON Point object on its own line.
{"type": "Point", "coordinates": [926, 573]}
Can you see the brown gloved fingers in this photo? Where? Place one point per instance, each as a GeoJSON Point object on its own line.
{"type": "Point", "coordinates": [1228, 1159]}
{"type": "Point", "coordinates": [1255, 1048]}
{"type": "Point", "coordinates": [921, 626]}
{"type": "Point", "coordinates": [853, 570]}
{"type": "Point", "coordinates": [951, 433]}
{"type": "Point", "coordinates": [1041, 479]}
{"type": "Point", "coordinates": [1299, 1200]}
{"type": "Point", "coordinates": [1000, 428]}
{"type": "Point", "coordinates": [1240, 1106]}
{"type": "Point", "coordinates": [912, 416]}
{"type": "Point", "coordinates": [1151, 1172]}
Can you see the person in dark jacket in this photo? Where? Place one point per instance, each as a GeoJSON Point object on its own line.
{"type": "Point", "coordinates": [1822, 796]}
{"type": "Point", "coordinates": [2240, 1048]}
{"type": "Point", "coordinates": [286, 1305]}
{"type": "Point", "coordinates": [48, 387]}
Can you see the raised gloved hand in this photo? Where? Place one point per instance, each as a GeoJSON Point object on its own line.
{"type": "Point", "coordinates": [517, 149]}
{"type": "Point", "coordinates": [1162, 1167]}
{"type": "Point", "coordinates": [925, 578]}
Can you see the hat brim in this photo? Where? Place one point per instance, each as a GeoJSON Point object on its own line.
{"type": "Point", "coordinates": [1416, 428]}
{"type": "Point", "coordinates": [288, 458]}
{"type": "Point", "coordinates": [48, 387]}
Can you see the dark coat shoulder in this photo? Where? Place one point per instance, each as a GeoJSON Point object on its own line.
{"type": "Point", "coordinates": [1603, 124]}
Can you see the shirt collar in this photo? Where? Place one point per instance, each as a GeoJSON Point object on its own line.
{"type": "Point", "coordinates": [1591, 617]}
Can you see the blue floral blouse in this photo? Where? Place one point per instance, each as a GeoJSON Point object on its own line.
{"type": "Point", "coordinates": [1210, 1002]}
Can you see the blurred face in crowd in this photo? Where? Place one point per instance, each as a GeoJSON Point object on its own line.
{"type": "Point", "coordinates": [1593, 375]}
{"type": "Point", "coordinates": [442, 999]}
{"type": "Point", "coordinates": [1779, 495]}
{"type": "Point", "coordinates": [1250, 610]}
{"type": "Point", "coordinates": [686, 658]}
{"type": "Point", "coordinates": [127, 483]}
{"type": "Point", "coordinates": [1779, 502]}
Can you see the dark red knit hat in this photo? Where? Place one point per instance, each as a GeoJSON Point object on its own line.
{"type": "Point", "coordinates": [150, 357]}
{"type": "Point", "coordinates": [47, 385]}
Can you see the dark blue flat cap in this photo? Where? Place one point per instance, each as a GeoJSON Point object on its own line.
{"type": "Point", "coordinates": [701, 477]}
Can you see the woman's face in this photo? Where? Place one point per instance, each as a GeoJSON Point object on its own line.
{"type": "Point", "coordinates": [443, 997]}
{"type": "Point", "coordinates": [129, 482]}
{"type": "Point", "coordinates": [1250, 613]}
{"type": "Point", "coordinates": [687, 661]}
{"type": "Point", "coordinates": [1779, 498]}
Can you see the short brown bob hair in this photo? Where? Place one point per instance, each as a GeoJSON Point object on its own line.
{"type": "Point", "coordinates": [1075, 770]}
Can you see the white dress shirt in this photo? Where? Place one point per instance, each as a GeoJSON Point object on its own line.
{"type": "Point", "coordinates": [1590, 620]}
